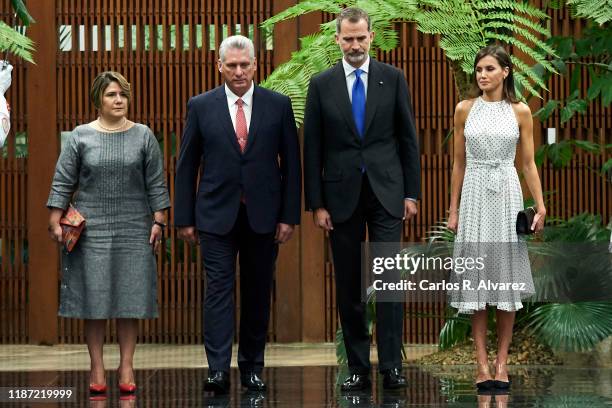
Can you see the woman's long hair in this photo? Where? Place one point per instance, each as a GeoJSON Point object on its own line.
{"type": "Point", "coordinates": [503, 58]}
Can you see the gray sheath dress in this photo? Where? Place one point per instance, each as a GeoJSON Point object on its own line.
{"type": "Point", "coordinates": [118, 182]}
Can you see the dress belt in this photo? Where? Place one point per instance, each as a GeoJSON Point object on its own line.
{"type": "Point", "coordinates": [495, 171]}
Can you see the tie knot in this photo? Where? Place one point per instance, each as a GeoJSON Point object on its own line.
{"type": "Point", "coordinates": [358, 72]}
{"type": "Point", "coordinates": [240, 102]}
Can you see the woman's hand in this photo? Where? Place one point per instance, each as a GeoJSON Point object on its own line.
{"type": "Point", "coordinates": [55, 233]}
{"type": "Point", "coordinates": [156, 238]}
{"type": "Point", "coordinates": [453, 221]}
{"type": "Point", "coordinates": [538, 220]}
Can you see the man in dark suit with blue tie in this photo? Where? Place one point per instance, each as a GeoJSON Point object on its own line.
{"type": "Point", "coordinates": [243, 141]}
{"type": "Point", "coordinates": [361, 169]}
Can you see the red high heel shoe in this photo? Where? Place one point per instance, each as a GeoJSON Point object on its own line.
{"type": "Point", "coordinates": [127, 388]}
{"type": "Point", "coordinates": [97, 388]}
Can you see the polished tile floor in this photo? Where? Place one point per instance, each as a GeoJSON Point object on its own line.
{"type": "Point", "coordinates": [306, 385]}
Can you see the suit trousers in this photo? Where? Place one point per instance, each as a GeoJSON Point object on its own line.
{"type": "Point", "coordinates": [257, 256]}
{"type": "Point", "coordinates": [346, 239]}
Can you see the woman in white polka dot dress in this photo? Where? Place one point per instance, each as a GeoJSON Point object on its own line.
{"type": "Point", "coordinates": [487, 130]}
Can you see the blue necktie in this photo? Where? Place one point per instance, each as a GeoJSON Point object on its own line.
{"type": "Point", "coordinates": [359, 102]}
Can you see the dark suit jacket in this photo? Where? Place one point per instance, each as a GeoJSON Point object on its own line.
{"type": "Point", "coordinates": [334, 154]}
{"type": "Point", "coordinates": [268, 173]}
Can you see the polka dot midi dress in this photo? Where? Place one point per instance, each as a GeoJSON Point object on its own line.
{"type": "Point", "coordinates": [491, 197]}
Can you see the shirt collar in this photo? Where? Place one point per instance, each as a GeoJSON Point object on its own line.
{"type": "Point", "coordinates": [247, 98]}
{"type": "Point", "coordinates": [349, 69]}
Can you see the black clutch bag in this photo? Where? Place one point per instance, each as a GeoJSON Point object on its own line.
{"type": "Point", "coordinates": [524, 219]}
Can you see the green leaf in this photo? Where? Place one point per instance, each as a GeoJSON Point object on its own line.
{"type": "Point", "coordinates": [606, 95]}
{"type": "Point", "coordinates": [560, 154]}
{"type": "Point", "coordinates": [600, 11]}
{"type": "Point", "coordinates": [559, 64]}
{"type": "Point", "coordinates": [455, 330]}
{"type": "Point", "coordinates": [588, 146]}
{"type": "Point", "coordinates": [547, 110]}
{"type": "Point", "coordinates": [22, 12]}
{"type": "Point", "coordinates": [15, 43]}
{"type": "Point", "coordinates": [583, 47]}
{"type": "Point", "coordinates": [564, 47]}
{"type": "Point", "coordinates": [541, 155]}
{"type": "Point", "coordinates": [607, 167]}
{"type": "Point", "coordinates": [575, 79]}
{"type": "Point", "coordinates": [596, 86]}
{"type": "Point", "coordinates": [572, 326]}
{"type": "Point", "coordinates": [304, 7]}
{"type": "Point", "coordinates": [573, 106]}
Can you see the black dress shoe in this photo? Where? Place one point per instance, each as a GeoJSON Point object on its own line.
{"type": "Point", "coordinates": [356, 382]}
{"type": "Point", "coordinates": [218, 382]}
{"type": "Point", "coordinates": [393, 379]}
{"type": "Point", "coordinates": [252, 381]}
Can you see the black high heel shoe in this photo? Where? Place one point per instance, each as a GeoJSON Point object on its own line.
{"type": "Point", "coordinates": [498, 384]}
{"type": "Point", "coordinates": [486, 384]}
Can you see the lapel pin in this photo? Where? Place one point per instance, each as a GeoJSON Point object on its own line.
{"type": "Point", "coordinates": [380, 83]}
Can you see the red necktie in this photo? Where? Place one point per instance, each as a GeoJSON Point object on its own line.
{"type": "Point", "coordinates": [241, 128]}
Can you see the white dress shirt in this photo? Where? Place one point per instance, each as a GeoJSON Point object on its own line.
{"type": "Point", "coordinates": [247, 106]}
{"type": "Point", "coordinates": [349, 72]}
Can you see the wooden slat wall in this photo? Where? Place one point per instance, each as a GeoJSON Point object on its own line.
{"type": "Point", "coordinates": [164, 77]}
{"type": "Point", "coordinates": [13, 232]}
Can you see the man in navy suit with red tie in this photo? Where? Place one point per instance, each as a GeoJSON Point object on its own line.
{"type": "Point", "coordinates": [243, 141]}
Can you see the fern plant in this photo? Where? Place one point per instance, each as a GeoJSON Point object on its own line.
{"type": "Point", "coordinates": [600, 11]}
{"type": "Point", "coordinates": [12, 41]}
{"type": "Point", "coordinates": [464, 26]}
{"type": "Point", "coordinates": [15, 42]}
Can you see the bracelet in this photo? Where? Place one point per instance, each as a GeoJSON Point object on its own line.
{"type": "Point", "coordinates": [161, 224]}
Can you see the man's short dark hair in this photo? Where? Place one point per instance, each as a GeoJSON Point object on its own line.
{"type": "Point", "coordinates": [353, 15]}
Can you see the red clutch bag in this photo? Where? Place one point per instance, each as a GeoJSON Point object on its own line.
{"type": "Point", "coordinates": [72, 223]}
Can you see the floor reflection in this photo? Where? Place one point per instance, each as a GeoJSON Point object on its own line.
{"type": "Point", "coordinates": [316, 387]}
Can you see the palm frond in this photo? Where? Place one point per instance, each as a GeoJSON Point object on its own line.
{"type": "Point", "coordinates": [15, 43]}
{"type": "Point", "coordinates": [572, 326]}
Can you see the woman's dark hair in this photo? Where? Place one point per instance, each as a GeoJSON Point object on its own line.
{"type": "Point", "coordinates": [103, 80]}
{"type": "Point", "coordinates": [503, 58]}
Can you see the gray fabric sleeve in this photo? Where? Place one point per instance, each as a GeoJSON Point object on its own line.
{"type": "Point", "coordinates": [155, 183]}
{"type": "Point", "coordinates": [66, 177]}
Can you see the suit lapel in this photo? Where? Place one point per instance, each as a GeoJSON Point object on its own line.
{"type": "Point", "coordinates": [257, 112]}
{"type": "Point", "coordinates": [375, 93]}
{"type": "Point", "coordinates": [338, 88]}
{"type": "Point", "coordinates": [225, 118]}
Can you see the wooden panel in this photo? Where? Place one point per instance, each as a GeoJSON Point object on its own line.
{"type": "Point", "coordinates": [42, 152]}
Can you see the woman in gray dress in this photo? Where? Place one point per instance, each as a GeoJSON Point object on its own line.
{"type": "Point", "coordinates": [111, 171]}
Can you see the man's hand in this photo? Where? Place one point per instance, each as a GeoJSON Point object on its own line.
{"type": "Point", "coordinates": [188, 234]}
{"type": "Point", "coordinates": [410, 209]}
{"type": "Point", "coordinates": [283, 232]}
{"type": "Point", "coordinates": [322, 219]}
